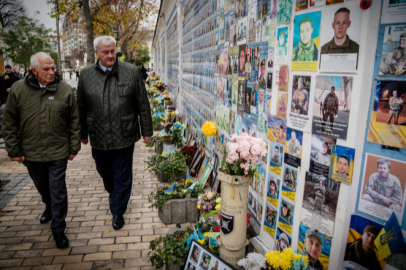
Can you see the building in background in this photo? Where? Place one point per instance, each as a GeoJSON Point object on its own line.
{"type": "Point", "coordinates": [73, 47]}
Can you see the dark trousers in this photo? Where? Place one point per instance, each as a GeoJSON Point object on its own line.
{"type": "Point", "coordinates": [116, 169]}
{"type": "Point", "coordinates": [49, 179]}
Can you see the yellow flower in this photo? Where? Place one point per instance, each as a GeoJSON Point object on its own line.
{"type": "Point", "coordinates": [199, 206]}
{"type": "Point", "coordinates": [209, 129]}
{"type": "Point", "coordinates": [166, 91]}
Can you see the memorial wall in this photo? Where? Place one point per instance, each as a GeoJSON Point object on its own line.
{"type": "Point", "coordinates": [323, 82]}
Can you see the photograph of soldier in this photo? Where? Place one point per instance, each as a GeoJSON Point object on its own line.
{"type": "Point", "coordinates": [294, 142]}
{"type": "Point", "coordinates": [341, 163]}
{"type": "Point", "coordinates": [262, 79]}
{"type": "Point", "coordinates": [307, 28]}
{"type": "Point", "coordinates": [241, 61]}
{"type": "Point", "coordinates": [281, 49]}
{"type": "Point", "coordinates": [282, 240]}
{"type": "Point", "coordinates": [342, 39]}
{"type": "Point", "coordinates": [282, 105]}
{"type": "Point", "coordinates": [264, 8]}
{"type": "Point", "coordinates": [248, 58]}
{"type": "Point", "coordinates": [360, 251]}
{"type": "Point", "coordinates": [276, 129]}
{"type": "Point", "coordinates": [331, 107]}
{"type": "Point", "coordinates": [320, 197]}
{"type": "Point", "coordinates": [394, 51]}
{"type": "Point", "coordinates": [269, 82]}
{"type": "Point", "coordinates": [383, 186]}
{"type": "Point", "coordinates": [289, 178]}
{"type": "Point", "coordinates": [256, 58]}
{"type": "Point", "coordinates": [320, 154]}
{"type": "Point", "coordinates": [282, 78]}
{"type": "Point", "coordinates": [259, 214]}
{"type": "Point", "coordinates": [270, 57]}
{"type": "Point", "coordinates": [247, 100]}
{"type": "Point", "coordinates": [276, 156]}
{"type": "Point", "coordinates": [273, 187]}
{"type": "Point", "coordinates": [313, 247]}
{"type": "Point", "coordinates": [225, 61]}
{"type": "Point", "coordinates": [300, 96]}
{"type": "Point", "coordinates": [195, 254]}
{"type": "Point", "coordinates": [286, 212]}
{"type": "Point", "coordinates": [390, 105]}
{"type": "Point", "coordinates": [270, 216]}
{"type": "Point", "coordinates": [341, 42]}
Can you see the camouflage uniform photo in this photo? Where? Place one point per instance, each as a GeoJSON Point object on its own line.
{"type": "Point", "coordinates": [330, 108]}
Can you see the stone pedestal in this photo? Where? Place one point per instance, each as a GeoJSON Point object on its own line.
{"type": "Point", "coordinates": [179, 210]}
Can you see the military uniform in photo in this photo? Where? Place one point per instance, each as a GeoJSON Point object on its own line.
{"type": "Point", "coordinates": [379, 187]}
{"type": "Point", "coordinates": [276, 160]}
{"type": "Point", "coordinates": [301, 100]}
{"type": "Point", "coordinates": [330, 108]}
{"type": "Point", "coordinates": [294, 148]}
{"type": "Point", "coordinates": [396, 107]}
{"type": "Point", "coordinates": [320, 158]}
{"type": "Point", "coordinates": [320, 197]}
{"type": "Point", "coordinates": [349, 46]}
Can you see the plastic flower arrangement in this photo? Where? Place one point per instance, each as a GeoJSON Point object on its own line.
{"type": "Point", "coordinates": [253, 261]}
{"type": "Point", "coordinates": [170, 116]}
{"type": "Point", "coordinates": [286, 260]}
{"type": "Point", "coordinates": [166, 92]}
{"type": "Point", "coordinates": [157, 118]}
{"type": "Point", "coordinates": [244, 154]}
{"type": "Point", "coordinates": [209, 128]}
{"type": "Point", "coordinates": [209, 204]}
{"type": "Point", "coordinates": [188, 151]}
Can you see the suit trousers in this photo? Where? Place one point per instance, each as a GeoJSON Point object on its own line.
{"type": "Point", "coordinates": [116, 169]}
{"type": "Point", "coordinates": [49, 179]}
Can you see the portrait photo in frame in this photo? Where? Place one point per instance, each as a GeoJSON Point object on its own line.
{"type": "Point", "coordinates": [203, 252]}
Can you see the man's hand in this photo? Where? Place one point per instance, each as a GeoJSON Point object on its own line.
{"type": "Point", "coordinates": [18, 159]}
{"type": "Point", "coordinates": [6, 77]}
{"type": "Point", "coordinates": [71, 157]}
{"type": "Point", "coordinates": [8, 89]}
{"type": "Point", "coordinates": [386, 201]}
{"type": "Point", "coordinates": [146, 139]}
{"type": "Point", "coordinates": [85, 141]}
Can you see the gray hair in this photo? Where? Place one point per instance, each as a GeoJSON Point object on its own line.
{"type": "Point", "coordinates": [36, 58]}
{"type": "Point", "coordinates": [105, 40]}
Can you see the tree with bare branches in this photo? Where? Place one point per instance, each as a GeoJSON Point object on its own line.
{"type": "Point", "coordinates": [11, 11]}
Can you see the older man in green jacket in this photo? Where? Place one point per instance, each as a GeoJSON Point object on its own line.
{"type": "Point", "coordinates": [41, 129]}
{"type": "Point", "coordinates": [113, 105]}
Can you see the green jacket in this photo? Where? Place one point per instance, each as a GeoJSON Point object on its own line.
{"type": "Point", "coordinates": [349, 46]}
{"type": "Point", "coordinates": [41, 124]}
{"type": "Point", "coordinates": [110, 106]}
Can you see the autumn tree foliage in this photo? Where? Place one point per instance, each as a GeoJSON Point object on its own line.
{"type": "Point", "coordinates": [131, 22]}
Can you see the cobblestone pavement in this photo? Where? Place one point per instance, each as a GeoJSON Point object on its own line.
{"type": "Point", "coordinates": [94, 244]}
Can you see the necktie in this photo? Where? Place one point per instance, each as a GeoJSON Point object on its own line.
{"type": "Point", "coordinates": [107, 72]}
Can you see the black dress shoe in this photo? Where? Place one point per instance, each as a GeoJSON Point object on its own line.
{"type": "Point", "coordinates": [46, 216]}
{"type": "Point", "coordinates": [118, 222]}
{"type": "Point", "coordinates": [61, 240]}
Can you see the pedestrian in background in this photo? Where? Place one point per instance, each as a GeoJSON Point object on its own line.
{"type": "Point", "coordinates": [112, 100]}
{"type": "Point", "coordinates": [77, 74]}
{"type": "Point", "coordinates": [26, 71]}
{"type": "Point", "coordinates": [10, 78]}
{"type": "Point", "coordinates": [45, 138]}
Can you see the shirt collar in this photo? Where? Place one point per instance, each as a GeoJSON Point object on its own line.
{"type": "Point", "coordinates": [40, 85]}
{"type": "Point", "coordinates": [104, 68]}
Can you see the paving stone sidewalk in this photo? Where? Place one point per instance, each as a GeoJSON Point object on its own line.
{"type": "Point", "coordinates": [94, 244]}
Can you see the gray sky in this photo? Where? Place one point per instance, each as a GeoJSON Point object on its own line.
{"type": "Point", "coordinates": [32, 6]}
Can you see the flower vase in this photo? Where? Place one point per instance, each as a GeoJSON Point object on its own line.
{"type": "Point", "coordinates": [233, 217]}
{"type": "Point", "coordinates": [159, 146]}
{"type": "Point", "coordinates": [188, 161]}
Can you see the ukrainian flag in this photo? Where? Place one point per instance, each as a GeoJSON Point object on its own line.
{"type": "Point", "coordinates": [390, 240]}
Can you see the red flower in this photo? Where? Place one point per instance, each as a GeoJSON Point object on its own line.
{"type": "Point", "coordinates": [217, 228]}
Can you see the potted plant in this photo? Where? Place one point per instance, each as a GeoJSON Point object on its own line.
{"type": "Point", "coordinates": [177, 205]}
{"type": "Point", "coordinates": [177, 130]}
{"type": "Point", "coordinates": [173, 167]}
{"type": "Point", "coordinates": [209, 204]}
{"type": "Point", "coordinates": [153, 140]}
{"type": "Point", "coordinates": [170, 251]}
{"type": "Point", "coordinates": [188, 152]}
{"type": "Point", "coordinates": [156, 120]}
